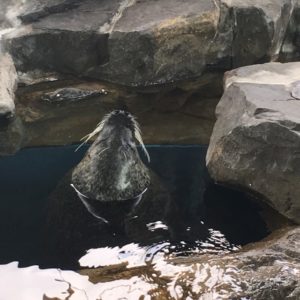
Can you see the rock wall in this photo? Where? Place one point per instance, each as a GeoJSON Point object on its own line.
{"type": "Point", "coordinates": [256, 139]}
{"type": "Point", "coordinates": [142, 43]}
{"type": "Point", "coordinates": [162, 60]}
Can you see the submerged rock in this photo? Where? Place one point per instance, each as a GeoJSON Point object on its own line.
{"type": "Point", "coordinates": [34, 10]}
{"type": "Point", "coordinates": [12, 136]}
{"type": "Point", "coordinates": [186, 110]}
{"type": "Point", "coordinates": [256, 139]}
{"type": "Point", "coordinates": [290, 50]}
{"type": "Point", "coordinates": [71, 94]}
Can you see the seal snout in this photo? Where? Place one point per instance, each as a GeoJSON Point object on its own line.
{"type": "Point", "coordinates": [122, 118]}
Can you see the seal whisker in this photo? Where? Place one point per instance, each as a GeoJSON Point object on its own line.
{"type": "Point", "coordinates": [138, 136]}
{"type": "Point", "coordinates": [103, 150]}
{"type": "Point", "coordinates": [125, 156]}
{"type": "Point", "coordinates": [98, 128]}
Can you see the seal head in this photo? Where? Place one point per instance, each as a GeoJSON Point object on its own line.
{"type": "Point", "coordinates": [112, 170]}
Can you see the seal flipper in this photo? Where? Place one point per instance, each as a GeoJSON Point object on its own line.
{"type": "Point", "coordinates": [90, 209]}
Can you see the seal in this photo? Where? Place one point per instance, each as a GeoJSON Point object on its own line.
{"type": "Point", "coordinates": [111, 197]}
{"type": "Point", "coordinates": [112, 170]}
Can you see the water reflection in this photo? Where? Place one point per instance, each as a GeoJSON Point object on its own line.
{"type": "Point", "coordinates": [134, 255]}
{"type": "Point", "coordinates": [142, 257]}
{"type": "Point", "coordinates": [128, 272]}
{"type": "Point", "coordinates": [181, 169]}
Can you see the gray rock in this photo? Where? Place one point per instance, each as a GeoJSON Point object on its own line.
{"type": "Point", "coordinates": [3, 20]}
{"type": "Point", "coordinates": [58, 51]}
{"type": "Point", "coordinates": [137, 42]}
{"type": "Point", "coordinates": [8, 84]}
{"type": "Point", "coordinates": [261, 41]}
{"type": "Point", "coordinates": [12, 136]}
{"type": "Point", "coordinates": [271, 269]}
{"type": "Point", "coordinates": [291, 47]}
{"type": "Point", "coordinates": [7, 15]}
{"type": "Point", "coordinates": [66, 42]}
{"type": "Point", "coordinates": [256, 139]}
{"type": "Point", "coordinates": [34, 10]}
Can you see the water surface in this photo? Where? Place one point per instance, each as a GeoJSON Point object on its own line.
{"type": "Point", "coordinates": [27, 178]}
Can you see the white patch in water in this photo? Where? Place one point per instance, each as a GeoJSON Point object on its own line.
{"type": "Point", "coordinates": [30, 283]}
{"type": "Point", "coordinates": [209, 279]}
{"type": "Point", "coordinates": [132, 254]}
{"type": "Point", "coordinates": [157, 225]}
{"type": "Point", "coordinates": [33, 283]}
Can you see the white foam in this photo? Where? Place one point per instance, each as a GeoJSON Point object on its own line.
{"type": "Point", "coordinates": [132, 254]}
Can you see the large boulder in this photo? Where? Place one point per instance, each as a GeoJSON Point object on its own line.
{"type": "Point", "coordinates": [137, 42]}
{"type": "Point", "coordinates": [11, 128]}
{"type": "Point", "coordinates": [8, 84]}
{"type": "Point", "coordinates": [291, 46]}
{"type": "Point", "coordinates": [12, 137]}
{"type": "Point", "coordinates": [256, 139]}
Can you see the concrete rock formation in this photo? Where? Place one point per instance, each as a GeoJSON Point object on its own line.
{"type": "Point", "coordinates": [136, 43]}
{"type": "Point", "coordinates": [8, 84]}
{"type": "Point", "coordinates": [256, 139]}
{"type": "Point", "coordinates": [168, 56]}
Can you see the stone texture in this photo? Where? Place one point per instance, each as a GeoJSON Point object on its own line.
{"type": "Point", "coordinates": [291, 47]}
{"type": "Point", "coordinates": [172, 54]}
{"type": "Point", "coordinates": [256, 139]}
{"type": "Point", "coordinates": [11, 130]}
{"type": "Point", "coordinates": [7, 7]}
{"type": "Point", "coordinates": [136, 43]}
{"type": "Point", "coordinates": [34, 10]}
{"type": "Point", "coordinates": [12, 137]}
{"type": "Point", "coordinates": [8, 84]}
{"type": "Point", "coordinates": [161, 49]}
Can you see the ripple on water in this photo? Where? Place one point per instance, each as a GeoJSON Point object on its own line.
{"type": "Point", "coordinates": [188, 268]}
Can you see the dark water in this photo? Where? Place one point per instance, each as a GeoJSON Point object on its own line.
{"type": "Point", "coordinates": [27, 178]}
